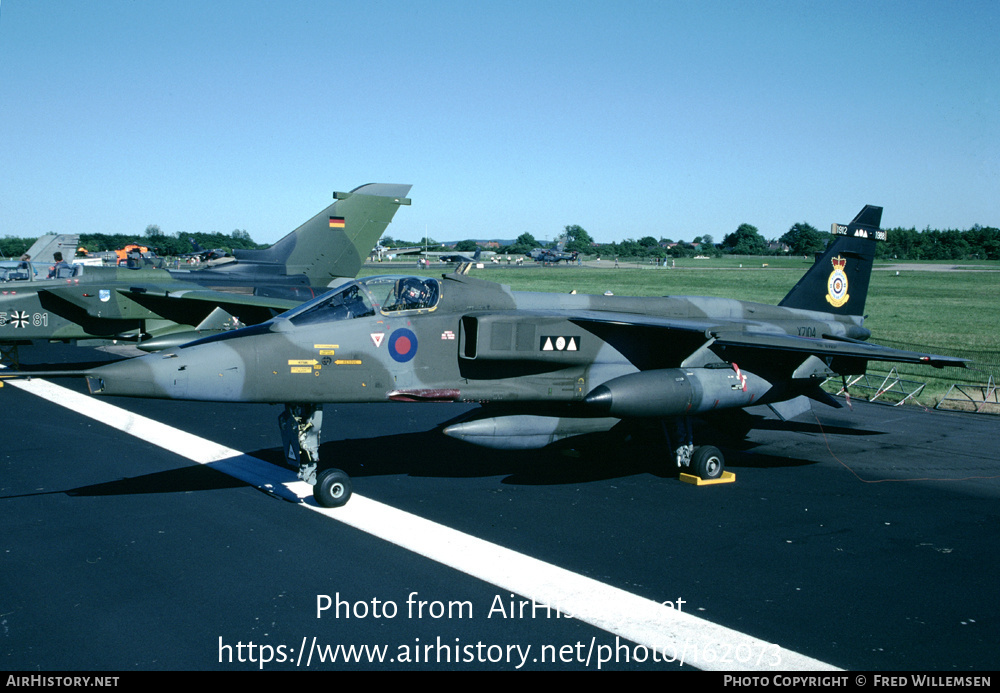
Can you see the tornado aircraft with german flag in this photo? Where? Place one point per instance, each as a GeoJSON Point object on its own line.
{"type": "Point", "coordinates": [157, 307]}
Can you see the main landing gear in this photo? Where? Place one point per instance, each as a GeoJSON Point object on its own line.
{"type": "Point", "coordinates": [705, 461]}
{"type": "Point", "coordinates": [300, 434]}
{"type": "Point", "coordinates": [708, 462]}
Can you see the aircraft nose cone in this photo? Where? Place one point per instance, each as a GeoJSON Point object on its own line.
{"type": "Point", "coordinates": [211, 372]}
{"type": "Point", "coordinates": [129, 378]}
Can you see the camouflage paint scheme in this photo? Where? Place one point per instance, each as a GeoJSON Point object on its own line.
{"type": "Point", "coordinates": [545, 367]}
{"type": "Point", "coordinates": [112, 302]}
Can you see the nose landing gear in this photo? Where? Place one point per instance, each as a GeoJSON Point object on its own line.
{"type": "Point", "coordinates": [301, 425]}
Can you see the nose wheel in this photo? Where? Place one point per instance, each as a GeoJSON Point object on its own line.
{"type": "Point", "coordinates": [332, 489]}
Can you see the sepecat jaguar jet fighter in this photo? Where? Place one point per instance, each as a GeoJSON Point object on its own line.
{"type": "Point", "coordinates": [544, 367]}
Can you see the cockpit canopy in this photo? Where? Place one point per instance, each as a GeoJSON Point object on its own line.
{"type": "Point", "coordinates": [24, 271]}
{"type": "Point", "coordinates": [385, 294]}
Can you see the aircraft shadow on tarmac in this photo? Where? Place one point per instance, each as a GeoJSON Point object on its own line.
{"type": "Point", "coordinates": [195, 478]}
{"type": "Point", "coordinates": [183, 479]}
{"type": "Point", "coordinates": [429, 454]}
{"type": "Point", "coordinates": [814, 428]}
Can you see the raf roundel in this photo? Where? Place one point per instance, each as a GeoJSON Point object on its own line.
{"type": "Point", "coordinates": [402, 345]}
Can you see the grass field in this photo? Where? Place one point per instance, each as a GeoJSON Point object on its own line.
{"type": "Point", "coordinates": [955, 311]}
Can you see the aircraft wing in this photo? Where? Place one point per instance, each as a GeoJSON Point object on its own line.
{"type": "Point", "coordinates": [184, 306]}
{"type": "Point", "coordinates": [657, 342]}
{"type": "Point", "coordinates": [180, 305]}
{"type": "Point", "coordinates": [839, 347]}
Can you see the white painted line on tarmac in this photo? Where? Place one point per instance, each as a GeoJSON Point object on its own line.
{"type": "Point", "coordinates": [675, 635]}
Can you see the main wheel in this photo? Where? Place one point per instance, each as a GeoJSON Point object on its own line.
{"type": "Point", "coordinates": [332, 489]}
{"type": "Point", "coordinates": [708, 462]}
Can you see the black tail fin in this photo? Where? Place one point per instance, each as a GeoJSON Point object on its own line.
{"type": "Point", "coordinates": [838, 281]}
{"type": "Point", "coordinates": [335, 242]}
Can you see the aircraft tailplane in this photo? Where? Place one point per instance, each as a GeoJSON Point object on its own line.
{"type": "Point", "coordinates": [335, 242]}
{"type": "Point", "coordinates": [838, 280]}
{"type": "Point", "coordinates": [43, 250]}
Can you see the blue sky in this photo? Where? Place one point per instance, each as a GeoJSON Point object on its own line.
{"type": "Point", "coordinates": [669, 119]}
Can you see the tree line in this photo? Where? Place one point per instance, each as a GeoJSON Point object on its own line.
{"type": "Point", "coordinates": [163, 245]}
{"type": "Point", "coordinates": [977, 243]}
